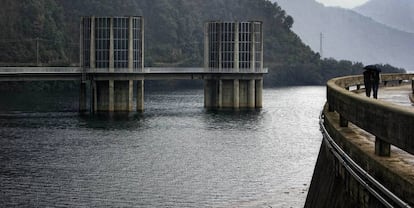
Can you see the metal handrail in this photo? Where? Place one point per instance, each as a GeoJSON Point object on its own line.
{"type": "Point", "coordinates": [359, 173]}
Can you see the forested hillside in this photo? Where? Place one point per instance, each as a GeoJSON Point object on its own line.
{"type": "Point", "coordinates": [173, 34]}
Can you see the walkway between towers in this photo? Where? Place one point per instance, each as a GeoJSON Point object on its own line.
{"type": "Point", "coordinates": [220, 93]}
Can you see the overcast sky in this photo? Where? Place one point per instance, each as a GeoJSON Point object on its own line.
{"type": "Point", "coordinates": [343, 3]}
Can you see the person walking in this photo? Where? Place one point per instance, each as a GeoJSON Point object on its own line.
{"type": "Point", "coordinates": [371, 80]}
{"type": "Point", "coordinates": [368, 82]}
{"type": "Point", "coordinates": [375, 82]}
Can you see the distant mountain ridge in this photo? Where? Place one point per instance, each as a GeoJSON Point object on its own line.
{"type": "Point", "coordinates": [349, 35]}
{"type": "Point", "coordinates": [398, 14]}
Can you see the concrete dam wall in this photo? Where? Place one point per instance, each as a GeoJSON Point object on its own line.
{"type": "Point", "coordinates": [366, 158]}
{"type": "Point", "coordinates": [333, 183]}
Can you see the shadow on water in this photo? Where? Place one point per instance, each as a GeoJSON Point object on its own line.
{"type": "Point", "coordinates": [233, 119]}
{"type": "Point", "coordinates": [112, 121]}
{"type": "Point", "coordinates": [60, 111]}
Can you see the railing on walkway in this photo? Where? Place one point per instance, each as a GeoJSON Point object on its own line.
{"type": "Point", "coordinates": [382, 194]}
{"type": "Point", "coordinates": [389, 123]}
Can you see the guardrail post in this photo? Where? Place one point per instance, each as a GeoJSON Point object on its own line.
{"type": "Point", "coordinates": [358, 87]}
{"type": "Point", "coordinates": [382, 148]}
{"type": "Point", "coordinates": [343, 122]}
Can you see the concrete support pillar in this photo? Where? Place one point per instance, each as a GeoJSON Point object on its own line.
{"type": "Point", "coordinates": [220, 94]}
{"type": "Point", "coordinates": [343, 122]}
{"type": "Point", "coordinates": [111, 96]}
{"type": "Point", "coordinates": [123, 91]}
{"type": "Point", "coordinates": [227, 97]}
{"type": "Point", "coordinates": [208, 94]}
{"type": "Point", "coordinates": [102, 95]}
{"type": "Point", "coordinates": [94, 95]}
{"type": "Point", "coordinates": [259, 93]}
{"type": "Point", "coordinates": [382, 148]}
{"type": "Point", "coordinates": [140, 95]}
{"type": "Point", "coordinates": [233, 93]}
{"type": "Point", "coordinates": [212, 93]}
{"type": "Point", "coordinates": [243, 93]}
{"type": "Point", "coordinates": [82, 97]}
{"type": "Point", "coordinates": [236, 93]}
{"type": "Point", "coordinates": [131, 96]}
{"type": "Point", "coordinates": [207, 99]}
{"type": "Point", "coordinates": [251, 103]}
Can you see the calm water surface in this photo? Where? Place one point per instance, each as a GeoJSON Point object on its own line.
{"type": "Point", "coordinates": [176, 154]}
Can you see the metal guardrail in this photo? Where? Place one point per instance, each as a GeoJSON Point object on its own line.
{"type": "Point", "coordinates": [387, 121]}
{"type": "Point", "coordinates": [386, 197]}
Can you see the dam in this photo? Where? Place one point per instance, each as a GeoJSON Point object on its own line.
{"type": "Point", "coordinates": [366, 157]}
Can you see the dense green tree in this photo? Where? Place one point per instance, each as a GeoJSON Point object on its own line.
{"type": "Point", "coordinates": [30, 25]}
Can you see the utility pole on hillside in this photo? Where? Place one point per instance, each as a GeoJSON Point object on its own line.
{"type": "Point", "coordinates": [321, 45]}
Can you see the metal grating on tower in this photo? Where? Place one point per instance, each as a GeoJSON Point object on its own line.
{"type": "Point", "coordinates": [113, 43]}
{"type": "Point", "coordinates": [233, 45]}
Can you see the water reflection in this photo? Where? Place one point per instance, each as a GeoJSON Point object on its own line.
{"type": "Point", "coordinates": [175, 154]}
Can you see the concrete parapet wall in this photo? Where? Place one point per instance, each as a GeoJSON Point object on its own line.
{"type": "Point", "coordinates": [392, 123]}
{"type": "Point", "coordinates": [331, 184]}
{"type": "Point", "coordinates": [361, 126]}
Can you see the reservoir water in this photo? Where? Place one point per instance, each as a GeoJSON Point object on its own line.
{"type": "Point", "coordinates": [175, 154]}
